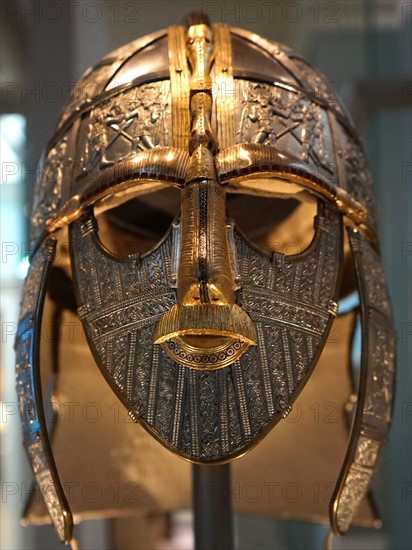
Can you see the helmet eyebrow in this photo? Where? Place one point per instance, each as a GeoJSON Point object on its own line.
{"type": "Point", "coordinates": [160, 165]}
{"type": "Point", "coordinates": [238, 162]}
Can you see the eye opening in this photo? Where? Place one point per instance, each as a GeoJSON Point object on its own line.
{"type": "Point", "coordinates": [272, 221]}
{"type": "Point", "coordinates": [277, 222]}
{"type": "Point", "coordinates": [138, 224]}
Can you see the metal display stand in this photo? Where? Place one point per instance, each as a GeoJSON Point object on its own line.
{"type": "Point", "coordinates": [212, 507]}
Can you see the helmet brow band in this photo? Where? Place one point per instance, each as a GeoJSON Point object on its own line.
{"type": "Point", "coordinates": [376, 384]}
{"type": "Point", "coordinates": [36, 440]}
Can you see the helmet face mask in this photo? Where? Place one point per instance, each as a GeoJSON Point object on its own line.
{"type": "Point", "coordinates": [151, 292]}
{"type": "Point", "coordinates": [205, 205]}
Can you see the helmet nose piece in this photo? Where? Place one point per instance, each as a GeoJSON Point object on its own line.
{"type": "Point", "coordinates": [205, 329]}
{"type": "Point", "coordinates": [217, 290]}
{"type": "Point", "coordinates": [204, 272]}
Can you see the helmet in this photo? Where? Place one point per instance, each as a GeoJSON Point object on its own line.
{"type": "Point", "coordinates": [201, 177]}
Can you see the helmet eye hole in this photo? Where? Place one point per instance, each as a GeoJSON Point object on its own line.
{"type": "Point", "coordinates": [274, 224]}
{"type": "Point", "coordinates": [138, 225]}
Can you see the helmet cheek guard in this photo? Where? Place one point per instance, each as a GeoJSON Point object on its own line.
{"type": "Point", "coordinates": [207, 337]}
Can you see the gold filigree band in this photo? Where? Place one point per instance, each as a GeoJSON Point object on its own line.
{"type": "Point", "coordinates": [180, 87]}
{"type": "Point", "coordinates": [224, 86]}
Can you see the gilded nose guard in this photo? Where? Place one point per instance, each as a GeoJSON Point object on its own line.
{"type": "Point", "coordinates": [205, 329]}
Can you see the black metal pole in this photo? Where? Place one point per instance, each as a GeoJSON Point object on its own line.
{"type": "Point", "coordinates": [212, 507]}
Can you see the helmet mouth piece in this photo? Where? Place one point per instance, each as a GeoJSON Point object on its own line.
{"type": "Point", "coordinates": [205, 336]}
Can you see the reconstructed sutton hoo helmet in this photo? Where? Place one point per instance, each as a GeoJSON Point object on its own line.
{"type": "Point", "coordinates": [202, 178]}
